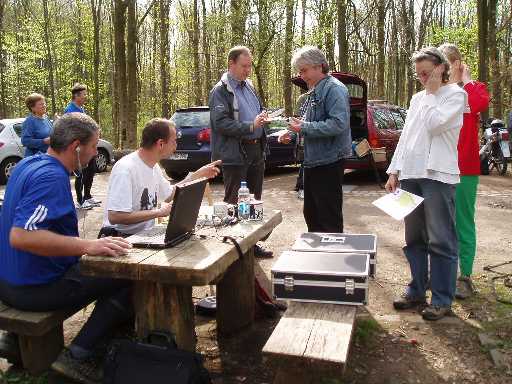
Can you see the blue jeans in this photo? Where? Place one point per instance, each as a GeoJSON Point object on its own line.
{"type": "Point", "coordinates": [430, 231]}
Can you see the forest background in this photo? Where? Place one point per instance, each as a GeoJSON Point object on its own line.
{"type": "Point", "coordinates": [142, 59]}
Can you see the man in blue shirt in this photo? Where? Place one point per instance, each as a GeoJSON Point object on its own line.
{"type": "Point", "coordinates": [40, 247]}
{"type": "Point", "coordinates": [238, 135]}
{"type": "Point", "coordinates": [85, 178]}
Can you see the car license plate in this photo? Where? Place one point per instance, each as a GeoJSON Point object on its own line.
{"type": "Point", "coordinates": [179, 156]}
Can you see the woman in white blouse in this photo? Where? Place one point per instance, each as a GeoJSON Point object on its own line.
{"type": "Point", "coordinates": [425, 163]}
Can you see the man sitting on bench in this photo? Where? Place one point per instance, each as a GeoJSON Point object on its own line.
{"type": "Point", "coordinates": [40, 247]}
{"type": "Point", "coordinates": [138, 192]}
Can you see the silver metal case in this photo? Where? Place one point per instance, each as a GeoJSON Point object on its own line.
{"type": "Point", "coordinates": [339, 242]}
{"type": "Point", "coordinates": [325, 277]}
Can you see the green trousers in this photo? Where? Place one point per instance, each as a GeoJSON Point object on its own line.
{"type": "Point", "coordinates": [465, 200]}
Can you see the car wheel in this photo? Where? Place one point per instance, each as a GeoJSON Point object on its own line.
{"type": "Point", "coordinates": [101, 160]}
{"type": "Point", "coordinates": [6, 168]}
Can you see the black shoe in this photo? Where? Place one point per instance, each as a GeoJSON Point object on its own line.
{"type": "Point", "coordinates": [262, 253]}
{"type": "Point", "coordinates": [465, 288]}
{"type": "Point", "coordinates": [10, 348]}
{"type": "Point", "coordinates": [84, 371]}
{"type": "Point", "coordinates": [406, 302]}
{"type": "Point", "coordinates": [433, 312]}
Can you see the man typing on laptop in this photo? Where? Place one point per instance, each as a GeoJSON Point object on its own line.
{"type": "Point", "coordinates": [138, 192]}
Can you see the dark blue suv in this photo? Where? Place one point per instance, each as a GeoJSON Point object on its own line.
{"type": "Point", "coordinates": [193, 139]}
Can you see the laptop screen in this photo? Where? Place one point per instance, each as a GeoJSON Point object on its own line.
{"type": "Point", "coordinates": [185, 208]}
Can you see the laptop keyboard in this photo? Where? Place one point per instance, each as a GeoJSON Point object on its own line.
{"type": "Point", "coordinates": [153, 235]}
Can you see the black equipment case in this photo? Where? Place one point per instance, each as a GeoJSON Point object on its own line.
{"type": "Point", "coordinates": [340, 243]}
{"type": "Point", "coordinates": [325, 277]}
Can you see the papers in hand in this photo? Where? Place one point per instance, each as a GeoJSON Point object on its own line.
{"type": "Point", "coordinates": [276, 113]}
{"type": "Point", "coordinates": [398, 204]}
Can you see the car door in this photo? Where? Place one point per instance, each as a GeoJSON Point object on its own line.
{"type": "Point", "coordinates": [280, 154]}
{"type": "Point", "coordinates": [398, 116]}
{"type": "Point", "coordinates": [16, 139]}
{"type": "Point", "coordinates": [385, 128]}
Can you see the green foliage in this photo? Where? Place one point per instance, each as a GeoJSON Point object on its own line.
{"type": "Point", "coordinates": [465, 38]}
{"type": "Point", "coordinates": [365, 330]}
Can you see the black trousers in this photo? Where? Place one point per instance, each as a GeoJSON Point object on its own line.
{"type": "Point", "coordinates": [252, 171]}
{"type": "Point", "coordinates": [323, 198]}
{"type": "Point", "coordinates": [113, 302]}
{"type": "Point", "coordinates": [84, 182]}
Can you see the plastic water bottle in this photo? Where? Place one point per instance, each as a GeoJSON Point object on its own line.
{"type": "Point", "coordinates": [244, 199]}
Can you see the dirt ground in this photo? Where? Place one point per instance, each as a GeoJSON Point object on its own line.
{"type": "Point", "coordinates": [388, 347]}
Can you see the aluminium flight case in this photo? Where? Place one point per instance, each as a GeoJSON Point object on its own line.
{"type": "Point", "coordinates": [341, 243]}
{"type": "Point", "coordinates": [325, 277]}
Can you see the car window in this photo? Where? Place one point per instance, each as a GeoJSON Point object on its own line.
{"type": "Point", "coordinates": [382, 119]}
{"type": "Point", "coordinates": [191, 119]}
{"type": "Point", "coordinates": [17, 128]}
{"type": "Point", "coordinates": [399, 119]}
{"type": "Point", "coordinates": [355, 90]}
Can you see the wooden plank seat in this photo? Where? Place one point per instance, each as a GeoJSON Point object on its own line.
{"type": "Point", "coordinates": [40, 335]}
{"type": "Point", "coordinates": [311, 339]}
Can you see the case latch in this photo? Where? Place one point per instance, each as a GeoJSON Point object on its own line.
{"type": "Point", "coordinates": [288, 283]}
{"type": "Point", "coordinates": [350, 286]}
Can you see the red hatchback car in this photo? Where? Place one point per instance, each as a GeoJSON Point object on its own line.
{"type": "Point", "coordinates": [377, 121]}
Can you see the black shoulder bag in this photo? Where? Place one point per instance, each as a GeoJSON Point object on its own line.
{"type": "Point", "coordinates": [155, 361]}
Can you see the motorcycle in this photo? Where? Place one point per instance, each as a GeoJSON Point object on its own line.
{"type": "Point", "coordinates": [494, 148]}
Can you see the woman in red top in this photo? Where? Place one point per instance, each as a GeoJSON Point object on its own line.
{"type": "Point", "coordinates": [469, 166]}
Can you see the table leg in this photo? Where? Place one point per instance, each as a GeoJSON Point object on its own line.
{"type": "Point", "coordinates": [235, 295]}
{"type": "Point", "coordinates": [165, 307]}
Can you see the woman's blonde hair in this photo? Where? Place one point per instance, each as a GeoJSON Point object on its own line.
{"type": "Point", "coordinates": [451, 52]}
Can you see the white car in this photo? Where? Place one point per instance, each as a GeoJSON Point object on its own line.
{"type": "Point", "coordinates": [12, 151]}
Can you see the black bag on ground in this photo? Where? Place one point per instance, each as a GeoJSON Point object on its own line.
{"type": "Point", "coordinates": [156, 361]}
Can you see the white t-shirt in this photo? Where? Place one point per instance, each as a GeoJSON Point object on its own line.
{"type": "Point", "coordinates": [428, 144]}
{"type": "Point", "coordinates": [134, 186]}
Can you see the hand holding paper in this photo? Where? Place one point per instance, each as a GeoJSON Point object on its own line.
{"type": "Point", "coordinates": [398, 204]}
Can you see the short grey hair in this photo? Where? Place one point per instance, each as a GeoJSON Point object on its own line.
{"type": "Point", "coordinates": [71, 127]}
{"type": "Point", "coordinates": [309, 55]}
{"type": "Point", "coordinates": [436, 57]}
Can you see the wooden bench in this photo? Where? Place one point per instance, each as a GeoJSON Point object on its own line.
{"type": "Point", "coordinates": [311, 339]}
{"type": "Point", "coordinates": [40, 335]}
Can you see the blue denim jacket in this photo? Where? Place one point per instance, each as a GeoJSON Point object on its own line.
{"type": "Point", "coordinates": [326, 131]}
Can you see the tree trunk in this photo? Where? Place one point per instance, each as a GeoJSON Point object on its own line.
{"type": "Point", "coordinates": [341, 6]}
{"type": "Point", "coordinates": [238, 19]}
{"type": "Point", "coordinates": [287, 55]}
{"type": "Point", "coordinates": [195, 51]}
{"type": "Point", "coordinates": [131, 72]}
{"type": "Point", "coordinates": [164, 55]}
{"type": "Point", "coordinates": [49, 56]}
{"type": "Point", "coordinates": [483, 36]}
{"type": "Point", "coordinates": [3, 66]}
{"type": "Point", "coordinates": [120, 65]}
{"type": "Point", "coordinates": [303, 27]}
{"type": "Point", "coordinates": [207, 56]}
{"type": "Point", "coordinates": [497, 110]}
{"type": "Point", "coordinates": [96, 21]}
{"type": "Point", "coordinates": [381, 48]}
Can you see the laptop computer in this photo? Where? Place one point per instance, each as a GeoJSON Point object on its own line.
{"type": "Point", "coordinates": [182, 218]}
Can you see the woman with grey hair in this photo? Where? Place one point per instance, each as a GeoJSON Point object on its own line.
{"type": "Point", "coordinates": [325, 128]}
{"type": "Point", "coordinates": [425, 163]}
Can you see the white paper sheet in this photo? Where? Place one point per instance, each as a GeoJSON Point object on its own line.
{"type": "Point", "coordinates": [398, 204]}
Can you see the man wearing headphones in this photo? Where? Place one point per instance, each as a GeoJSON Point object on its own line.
{"type": "Point", "coordinates": [40, 248]}
{"type": "Point", "coordinates": [138, 192]}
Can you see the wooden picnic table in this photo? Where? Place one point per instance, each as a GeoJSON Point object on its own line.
{"type": "Point", "coordinates": [164, 279]}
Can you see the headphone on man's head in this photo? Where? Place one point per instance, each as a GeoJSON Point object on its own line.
{"type": "Point", "coordinates": [77, 149]}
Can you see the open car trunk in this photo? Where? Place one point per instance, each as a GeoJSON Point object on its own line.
{"type": "Point", "coordinates": [358, 92]}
